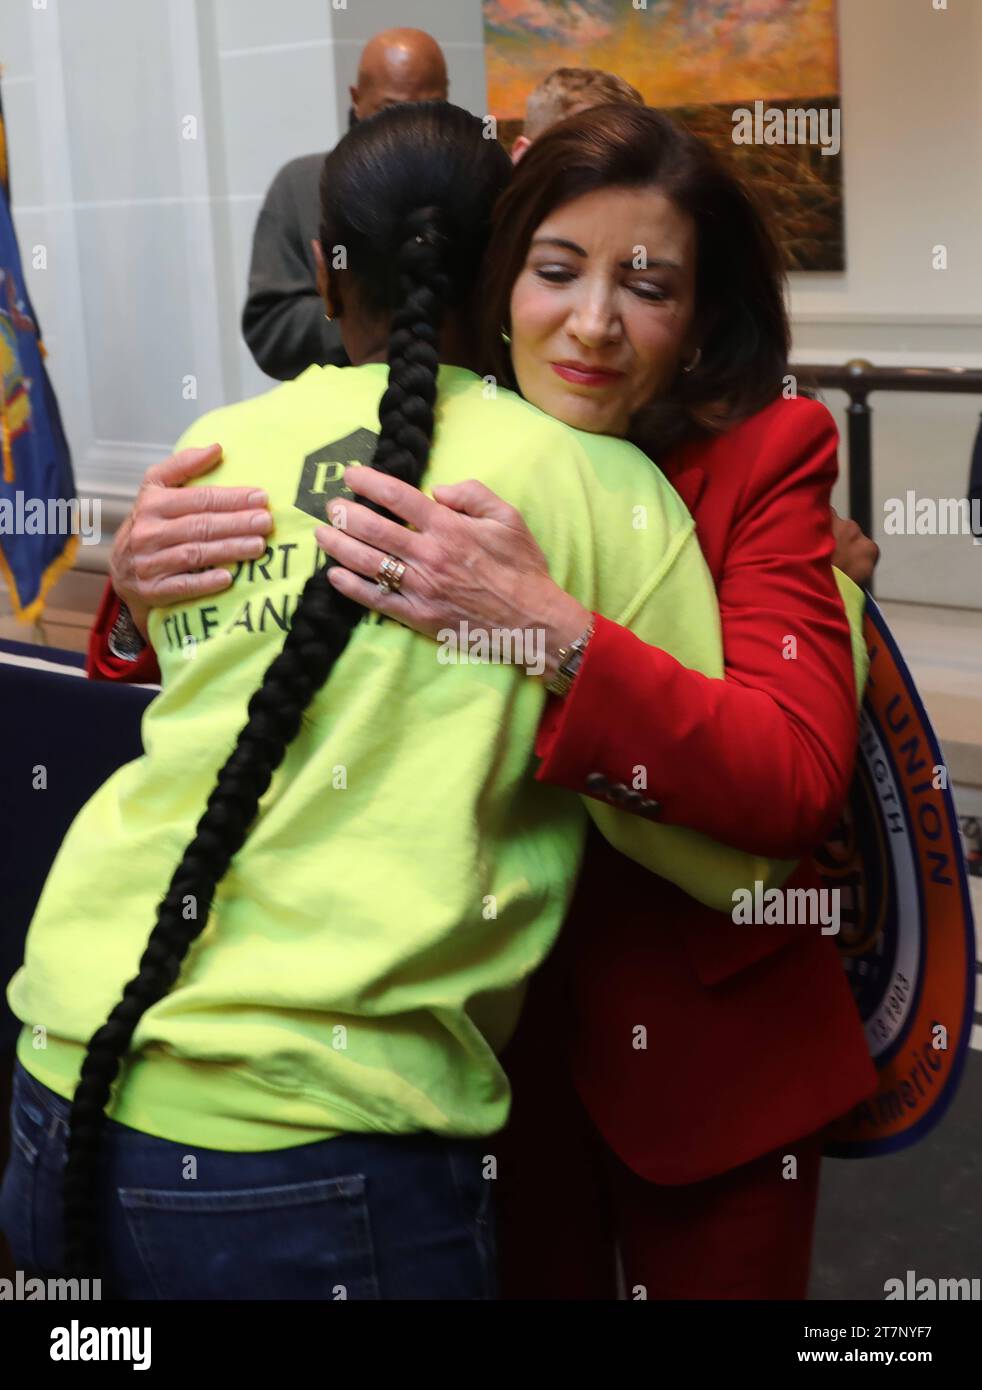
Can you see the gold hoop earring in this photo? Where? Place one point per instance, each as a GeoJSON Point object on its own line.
{"type": "Point", "coordinates": [695, 361]}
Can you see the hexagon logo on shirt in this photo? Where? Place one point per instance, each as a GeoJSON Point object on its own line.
{"type": "Point", "coordinates": [322, 476]}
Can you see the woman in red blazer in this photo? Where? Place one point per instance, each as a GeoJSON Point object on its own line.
{"type": "Point", "coordinates": [673, 1071]}
{"type": "Point", "coordinates": [753, 1041]}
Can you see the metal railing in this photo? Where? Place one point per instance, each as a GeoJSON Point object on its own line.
{"type": "Point", "coordinates": [859, 379]}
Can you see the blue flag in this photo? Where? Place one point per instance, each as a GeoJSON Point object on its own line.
{"type": "Point", "coordinates": [38, 505]}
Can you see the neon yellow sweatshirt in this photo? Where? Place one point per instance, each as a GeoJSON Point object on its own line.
{"type": "Point", "coordinates": [366, 954]}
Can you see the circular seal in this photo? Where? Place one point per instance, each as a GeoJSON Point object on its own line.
{"type": "Point", "coordinates": [907, 940]}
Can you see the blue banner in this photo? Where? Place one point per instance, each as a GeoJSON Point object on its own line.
{"type": "Point", "coordinates": [38, 506]}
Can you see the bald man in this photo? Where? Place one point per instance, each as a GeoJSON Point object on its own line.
{"type": "Point", "coordinates": [283, 320]}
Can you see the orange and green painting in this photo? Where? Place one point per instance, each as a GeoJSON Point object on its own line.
{"type": "Point", "coordinates": [702, 61]}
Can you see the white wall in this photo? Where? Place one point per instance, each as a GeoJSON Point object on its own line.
{"type": "Point", "coordinates": [121, 204]}
{"type": "Point", "coordinates": [148, 235]}
{"type": "Point", "coordinates": [911, 81]}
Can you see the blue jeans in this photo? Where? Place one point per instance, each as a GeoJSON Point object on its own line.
{"type": "Point", "coordinates": [359, 1216]}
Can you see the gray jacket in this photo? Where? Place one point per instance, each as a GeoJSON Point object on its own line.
{"type": "Point", "coordinates": [283, 320]}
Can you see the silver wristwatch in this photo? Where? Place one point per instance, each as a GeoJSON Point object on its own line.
{"type": "Point", "coordinates": [125, 639]}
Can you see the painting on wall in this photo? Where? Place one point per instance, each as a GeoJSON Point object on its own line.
{"type": "Point", "coordinates": [759, 78]}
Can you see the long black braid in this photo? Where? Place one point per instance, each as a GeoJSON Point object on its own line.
{"type": "Point", "coordinates": [408, 195]}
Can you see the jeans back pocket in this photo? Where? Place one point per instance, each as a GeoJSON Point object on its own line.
{"type": "Point", "coordinates": [309, 1240]}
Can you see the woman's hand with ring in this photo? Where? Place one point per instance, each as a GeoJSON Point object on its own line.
{"type": "Point", "coordinates": [469, 557]}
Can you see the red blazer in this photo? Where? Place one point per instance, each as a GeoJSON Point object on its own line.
{"type": "Point", "coordinates": [752, 1036]}
{"type": "Point", "coordinates": [101, 665]}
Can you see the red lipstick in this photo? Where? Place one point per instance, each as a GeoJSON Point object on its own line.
{"type": "Point", "coordinates": [583, 374]}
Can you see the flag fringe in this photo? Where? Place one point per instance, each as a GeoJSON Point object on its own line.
{"type": "Point", "coordinates": [32, 612]}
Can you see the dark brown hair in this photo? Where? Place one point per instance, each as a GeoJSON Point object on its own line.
{"type": "Point", "coordinates": [739, 297]}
